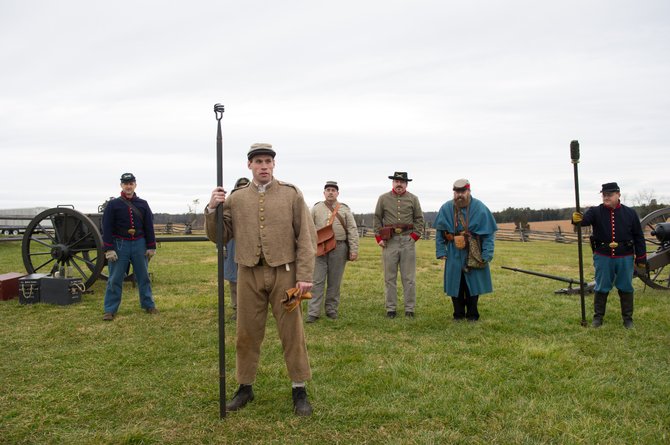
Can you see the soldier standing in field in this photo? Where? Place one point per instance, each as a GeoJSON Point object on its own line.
{"type": "Point", "coordinates": [329, 268]}
{"type": "Point", "coordinates": [459, 222]}
{"type": "Point", "coordinates": [618, 244]}
{"type": "Point", "coordinates": [275, 249]}
{"type": "Point", "coordinates": [398, 224]}
{"type": "Point", "coordinates": [128, 238]}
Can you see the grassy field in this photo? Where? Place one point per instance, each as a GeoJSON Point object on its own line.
{"type": "Point", "coordinates": [527, 373]}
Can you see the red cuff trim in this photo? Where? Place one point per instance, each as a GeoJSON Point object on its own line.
{"type": "Point", "coordinates": [415, 236]}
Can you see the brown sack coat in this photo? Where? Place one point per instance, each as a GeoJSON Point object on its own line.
{"type": "Point", "coordinates": [276, 224]}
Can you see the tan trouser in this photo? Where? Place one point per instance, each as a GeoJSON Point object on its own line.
{"type": "Point", "coordinates": [257, 287]}
{"type": "Point", "coordinates": [400, 252]}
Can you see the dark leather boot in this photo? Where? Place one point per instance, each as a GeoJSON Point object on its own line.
{"type": "Point", "coordinates": [243, 396]}
{"type": "Point", "coordinates": [626, 299]}
{"type": "Point", "coordinates": [599, 305]}
{"type": "Point", "coordinates": [301, 406]}
{"type": "Point", "coordinates": [459, 307]}
{"type": "Point", "coordinates": [472, 312]}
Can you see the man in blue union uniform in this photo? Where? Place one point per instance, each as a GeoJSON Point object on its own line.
{"type": "Point", "coordinates": [618, 243]}
{"type": "Point", "coordinates": [128, 238]}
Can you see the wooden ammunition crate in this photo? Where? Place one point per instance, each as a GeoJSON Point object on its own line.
{"type": "Point", "coordinates": [9, 285]}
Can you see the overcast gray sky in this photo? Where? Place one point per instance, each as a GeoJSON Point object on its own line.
{"type": "Point", "coordinates": [351, 91]}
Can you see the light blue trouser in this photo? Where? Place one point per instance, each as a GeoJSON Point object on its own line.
{"type": "Point", "coordinates": [613, 272]}
{"type": "Point", "coordinates": [129, 252]}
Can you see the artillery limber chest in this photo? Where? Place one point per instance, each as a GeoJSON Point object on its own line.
{"type": "Point", "coordinates": [41, 288]}
{"type": "Point", "coordinates": [29, 288]}
{"type": "Point", "coordinates": [61, 291]}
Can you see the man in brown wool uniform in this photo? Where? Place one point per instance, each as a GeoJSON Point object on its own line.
{"type": "Point", "coordinates": [275, 250]}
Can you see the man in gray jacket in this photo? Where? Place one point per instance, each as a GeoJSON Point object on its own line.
{"type": "Point", "coordinates": [398, 224]}
{"type": "Point", "coordinates": [330, 266]}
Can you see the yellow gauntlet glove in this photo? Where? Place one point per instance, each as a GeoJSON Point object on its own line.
{"type": "Point", "coordinates": [293, 298]}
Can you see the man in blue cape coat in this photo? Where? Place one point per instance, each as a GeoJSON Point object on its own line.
{"type": "Point", "coordinates": [458, 222]}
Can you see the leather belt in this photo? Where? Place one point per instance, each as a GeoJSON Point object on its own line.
{"type": "Point", "coordinates": [612, 245]}
{"type": "Point", "coordinates": [400, 228]}
{"type": "Point", "coordinates": [450, 236]}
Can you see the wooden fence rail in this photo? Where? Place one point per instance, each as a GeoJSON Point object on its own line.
{"type": "Point", "coordinates": [514, 235]}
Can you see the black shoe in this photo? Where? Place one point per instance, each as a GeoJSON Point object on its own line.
{"type": "Point", "coordinates": [311, 319]}
{"type": "Point", "coordinates": [301, 406]}
{"type": "Point", "coordinates": [390, 314]}
{"type": "Point", "coordinates": [409, 314]}
{"type": "Point", "coordinates": [628, 324]}
{"type": "Point", "coordinates": [244, 395]}
{"type": "Point", "coordinates": [332, 315]}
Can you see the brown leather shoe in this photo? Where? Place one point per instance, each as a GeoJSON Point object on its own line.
{"type": "Point", "coordinates": [152, 310]}
{"type": "Point", "coordinates": [244, 395]}
{"type": "Point", "coordinates": [108, 316]}
{"type": "Point", "coordinates": [301, 406]}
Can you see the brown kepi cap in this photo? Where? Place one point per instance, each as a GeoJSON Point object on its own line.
{"type": "Point", "coordinates": [461, 184]}
{"type": "Point", "coordinates": [260, 148]}
{"type": "Point", "coordinates": [332, 184]}
{"type": "Point", "coordinates": [400, 175]}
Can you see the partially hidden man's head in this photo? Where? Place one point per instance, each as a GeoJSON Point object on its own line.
{"type": "Point", "coordinates": [261, 162]}
{"type": "Point", "coordinates": [461, 190]}
{"type": "Point", "coordinates": [241, 182]}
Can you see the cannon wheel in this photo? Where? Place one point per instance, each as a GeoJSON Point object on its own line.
{"type": "Point", "coordinates": [63, 237]}
{"type": "Point", "coordinates": [658, 278]}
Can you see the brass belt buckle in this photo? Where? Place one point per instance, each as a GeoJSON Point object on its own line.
{"type": "Point", "coordinates": [397, 230]}
{"type": "Point", "coordinates": [614, 245]}
{"type": "Point", "coordinates": [131, 231]}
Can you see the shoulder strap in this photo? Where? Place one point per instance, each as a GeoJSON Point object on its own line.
{"type": "Point", "coordinates": [335, 214]}
{"type": "Point", "coordinates": [132, 207]}
{"type": "Point", "coordinates": [465, 223]}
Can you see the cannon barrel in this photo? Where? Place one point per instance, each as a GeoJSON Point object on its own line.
{"type": "Point", "coordinates": [662, 232]}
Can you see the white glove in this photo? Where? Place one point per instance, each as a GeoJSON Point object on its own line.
{"type": "Point", "coordinates": [111, 256]}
